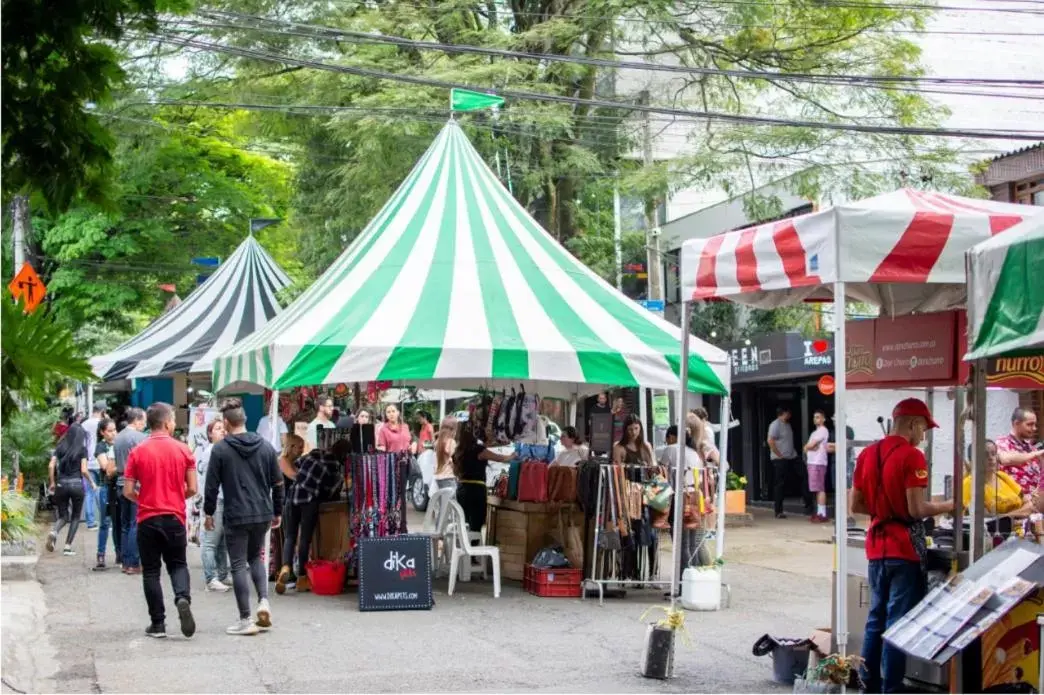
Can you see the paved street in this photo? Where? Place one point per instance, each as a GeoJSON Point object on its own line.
{"type": "Point", "coordinates": [468, 642]}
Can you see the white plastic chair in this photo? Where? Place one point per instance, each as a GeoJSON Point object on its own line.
{"type": "Point", "coordinates": [435, 516]}
{"type": "Point", "coordinates": [462, 548]}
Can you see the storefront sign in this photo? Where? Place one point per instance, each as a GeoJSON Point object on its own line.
{"type": "Point", "coordinates": [826, 385]}
{"type": "Point", "coordinates": [1022, 372]}
{"type": "Point", "coordinates": [395, 573]}
{"type": "Point", "coordinates": [907, 349]}
{"type": "Point", "coordinates": [780, 355]}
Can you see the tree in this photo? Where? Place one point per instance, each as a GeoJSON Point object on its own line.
{"type": "Point", "coordinates": [58, 61]}
{"type": "Point", "coordinates": [185, 189]}
{"type": "Point", "coordinates": [350, 160]}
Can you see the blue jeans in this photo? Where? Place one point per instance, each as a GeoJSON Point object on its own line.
{"type": "Point", "coordinates": [896, 586]}
{"type": "Point", "coordinates": [90, 501]}
{"type": "Point", "coordinates": [105, 521]}
{"type": "Point", "coordinates": [129, 522]}
{"type": "Point", "coordinates": [214, 550]}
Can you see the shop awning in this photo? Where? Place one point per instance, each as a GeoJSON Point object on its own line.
{"type": "Point", "coordinates": [234, 302]}
{"type": "Point", "coordinates": [1006, 310]}
{"type": "Point", "coordinates": [454, 285]}
{"type": "Point", "coordinates": [902, 251]}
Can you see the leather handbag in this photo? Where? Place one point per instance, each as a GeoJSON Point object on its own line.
{"type": "Point", "coordinates": [561, 484]}
{"type": "Point", "coordinates": [532, 482]}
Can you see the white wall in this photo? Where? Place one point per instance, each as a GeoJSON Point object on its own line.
{"type": "Point", "coordinates": [865, 405]}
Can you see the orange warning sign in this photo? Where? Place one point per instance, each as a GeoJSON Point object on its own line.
{"type": "Point", "coordinates": [28, 287]}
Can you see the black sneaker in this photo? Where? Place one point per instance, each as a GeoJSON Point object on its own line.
{"type": "Point", "coordinates": [158, 631]}
{"type": "Point", "coordinates": [188, 623]}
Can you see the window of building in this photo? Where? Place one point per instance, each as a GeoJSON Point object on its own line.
{"type": "Point", "coordinates": [1030, 192]}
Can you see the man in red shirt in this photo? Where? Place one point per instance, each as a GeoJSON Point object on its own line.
{"type": "Point", "coordinates": [160, 476]}
{"type": "Point", "coordinates": [890, 480]}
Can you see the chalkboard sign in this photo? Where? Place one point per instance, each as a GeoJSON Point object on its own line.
{"type": "Point", "coordinates": [395, 573]}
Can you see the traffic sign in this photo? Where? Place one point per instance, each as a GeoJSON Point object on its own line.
{"type": "Point", "coordinates": [28, 287]}
{"type": "Point", "coordinates": [655, 305]}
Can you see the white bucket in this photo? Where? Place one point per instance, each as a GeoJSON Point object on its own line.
{"type": "Point", "coordinates": [701, 589]}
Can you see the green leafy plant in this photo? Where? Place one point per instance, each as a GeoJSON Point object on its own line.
{"type": "Point", "coordinates": [734, 481]}
{"type": "Point", "coordinates": [16, 516]}
{"type": "Point", "coordinates": [27, 436]}
{"type": "Point", "coordinates": [35, 355]}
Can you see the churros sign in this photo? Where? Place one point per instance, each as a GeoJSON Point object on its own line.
{"type": "Point", "coordinates": [1022, 372]}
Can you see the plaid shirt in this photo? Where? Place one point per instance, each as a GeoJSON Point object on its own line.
{"type": "Point", "coordinates": [319, 475]}
{"type": "Point", "coordinates": [1027, 475]}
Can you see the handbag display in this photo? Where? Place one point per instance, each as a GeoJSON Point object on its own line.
{"type": "Point", "coordinates": [658, 493]}
{"type": "Point", "coordinates": [561, 484]}
{"type": "Point", "coordinates": [514, 471]}
{"type": "Point", "coordinates": [532, 482]}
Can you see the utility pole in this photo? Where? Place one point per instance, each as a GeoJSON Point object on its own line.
{"type": "Point", "coordinates": [652, 228]}
{"type": "Point", "coordinates": [20, 227]}
{"type": "Point", "coordinates": [618, 233]}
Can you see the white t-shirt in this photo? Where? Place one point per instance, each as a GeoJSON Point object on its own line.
{"type": "Point", "coordinates": [313, 430]}
{"type": "Point", "coordinates": [571, 457]}
{"type": "Point", "coordinates": [669, 459]}
{"type": "Point", "coordinates": [90, 426]}
{"type": "Point", "coordinates": [264, 428]}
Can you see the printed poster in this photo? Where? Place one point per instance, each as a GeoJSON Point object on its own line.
{"type": "Point", "coordinates": [199, 417]}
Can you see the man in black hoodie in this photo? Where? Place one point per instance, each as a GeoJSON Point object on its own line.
{"type": "Point", "coordinates": [246, 469]}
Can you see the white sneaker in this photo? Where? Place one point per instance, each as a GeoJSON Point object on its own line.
{"type": "Point", "coordinates": [68, 552]}
{"type": "Point", "coordinates": [216, 585]}
{"type": "Point", "coordinates": [245, 626]}
{"type": "Point", "coordinates": [264, 615]}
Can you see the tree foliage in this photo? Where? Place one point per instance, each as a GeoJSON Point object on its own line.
{"type": "Point", "coordinates": [556, 155]}
{"type": "Point", "coordinates": [185, 188]}
{"type": "Point", "coordinates": [59, 59]}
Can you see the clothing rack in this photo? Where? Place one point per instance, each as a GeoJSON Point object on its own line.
{"type": "Point", "coordinates": [635, 562]}
{"type": "Point", "coordinates": [376, 499]}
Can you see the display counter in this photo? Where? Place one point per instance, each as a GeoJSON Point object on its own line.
{"type": "Point", "coordinates": [520, 529]}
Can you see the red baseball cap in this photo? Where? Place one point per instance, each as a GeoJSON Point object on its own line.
{"type": "Point", "coordinates": [914, 407]}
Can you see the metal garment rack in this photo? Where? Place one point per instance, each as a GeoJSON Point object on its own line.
{"type": "Point", "coordinates": [598, 553]}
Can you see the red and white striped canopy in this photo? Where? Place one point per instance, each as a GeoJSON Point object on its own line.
{"type": "Point", "coordinates": [903, 251]}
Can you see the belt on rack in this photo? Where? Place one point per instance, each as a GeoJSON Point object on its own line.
{"type": "Point", "coordinates": [472, 482]}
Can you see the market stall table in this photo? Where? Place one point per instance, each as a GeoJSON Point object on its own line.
{"type": "Point", "coordinates": [520, 529]}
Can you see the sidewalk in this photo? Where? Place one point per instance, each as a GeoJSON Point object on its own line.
{"type": "Point", "coordinates": [29, 659]}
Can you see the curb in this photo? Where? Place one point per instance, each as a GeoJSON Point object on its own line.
{"type": "Point", "coordinates": [18, 568]}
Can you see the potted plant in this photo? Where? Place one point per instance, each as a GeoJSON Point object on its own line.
{"type": "Point", "coordinates": [735, 494]}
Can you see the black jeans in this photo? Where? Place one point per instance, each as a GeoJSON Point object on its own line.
{"type": "Point", "coordinates": [68, 504]}
{"type": "Point", "coordinates": [782, 469]}
{"type": "Point", "coordinates": [244, 553]}
{"type": "Point", "coordinates": [163, 538]}
{"type": "Point", "coordinates": [299, 519]}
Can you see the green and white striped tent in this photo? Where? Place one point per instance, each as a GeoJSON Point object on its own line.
{"type": "Point", "coordinates": [1005, 301]}
{"type": "Point", "coordinates": [454, 285]}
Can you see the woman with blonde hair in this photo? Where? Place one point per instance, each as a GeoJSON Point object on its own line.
{"type": "Point", "coordinates": [445, 445]}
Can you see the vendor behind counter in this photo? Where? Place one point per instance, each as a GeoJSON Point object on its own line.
{"type": "Point", "coordinates": [1002, 496]}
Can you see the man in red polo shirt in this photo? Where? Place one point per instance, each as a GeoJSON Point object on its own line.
{"type": "Point", "coordinates": [160, 476]}
{"type": "Point", "coordinates": [890, 480]}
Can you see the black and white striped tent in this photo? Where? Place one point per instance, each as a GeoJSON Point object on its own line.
{"type": "Point", "coordinates": [234, 302]}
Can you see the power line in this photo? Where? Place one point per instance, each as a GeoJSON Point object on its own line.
{"type": "Point", "coordinates": [994, 134]}
{"type": "Point", "coordinates": [319, 31]}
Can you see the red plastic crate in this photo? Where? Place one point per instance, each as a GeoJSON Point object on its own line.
{"type": "Point", "coordinates": [553, 583]}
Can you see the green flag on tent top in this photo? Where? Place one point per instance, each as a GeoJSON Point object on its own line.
{"type": "Point", "coordinates": [467, 100]}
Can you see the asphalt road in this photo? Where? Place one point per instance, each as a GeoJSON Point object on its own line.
{"type": "Point", "coordinates": [469, 642]}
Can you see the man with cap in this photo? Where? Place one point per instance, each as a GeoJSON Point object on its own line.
{"type": "Point", "coordinates": [890, 480]}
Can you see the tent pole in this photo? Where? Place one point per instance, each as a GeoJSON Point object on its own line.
{"type": "Point", "coordinates": [723, 452]}
{"type": "Point", "coordinates": [442, 405]}
{"type": "Point", "coordinates": [977, 503]}
{"type": "Point", "coordinates": [679, 470]}
{"type": "Point", "coordinates": [840, 473]}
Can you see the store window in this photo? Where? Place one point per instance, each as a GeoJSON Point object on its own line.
{"type": "Point", "coordinates": [1030, 192]}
